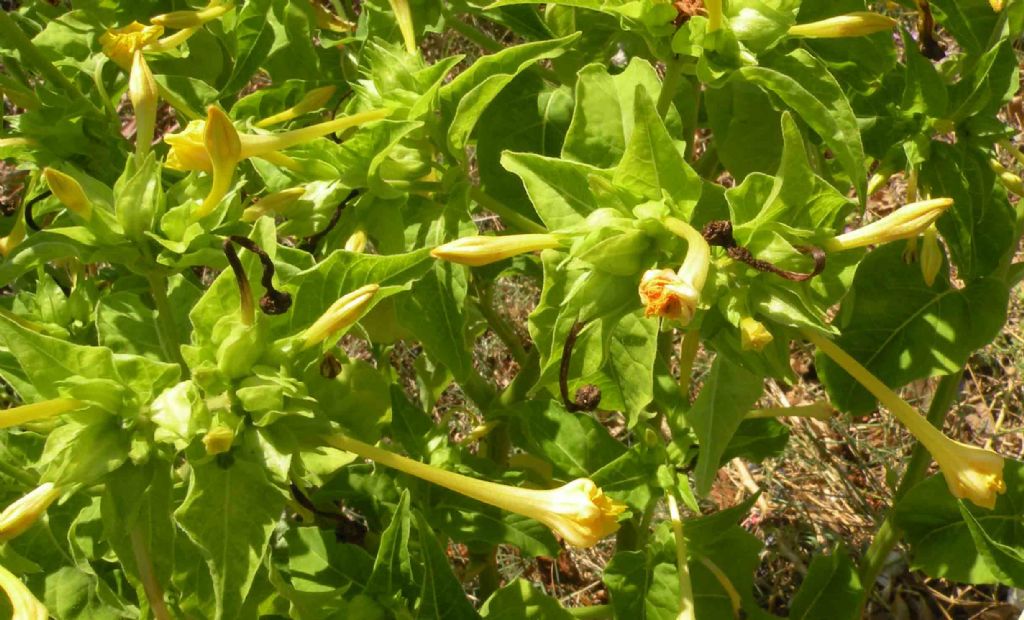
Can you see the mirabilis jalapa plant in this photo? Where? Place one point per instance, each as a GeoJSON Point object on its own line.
{"type": "Point", "coordinates": [213, 196]}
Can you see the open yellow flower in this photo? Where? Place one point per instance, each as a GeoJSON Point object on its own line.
{"type": "Point", "coordinates": [24, 512]}
{"type": "Point", "coordinates": [482, 250]}
{"type": "Point", "coordinates": [906, 222]}
{"type": "Point", "coordinates": [666, 295]}
{"type": "Point", "coordinates": [856, 24]}
{"type": "Point", "coordinates": [971, 472]}
{"type": "Point", "coordinates": [120, 44]}
{"type": "Point", "coordinates": [578, 511]}
{"type": "Point", "coordinates": [754, 336]}
{"type": "Point", "coordinates": [341, 315]}
{"type": "Point", "coordinates": [24, 604]}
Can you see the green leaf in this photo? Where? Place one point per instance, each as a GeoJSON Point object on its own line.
{"type": "Point", "coordinates": [830, 591]}
{"type": "Point", "coordinates": [804, 84]}
{"type": "Point", "coordinates": [727, 396]}
{"type": "Point", "coordinates": [576, 444]}
{"type": "Point", "coordinates": [125, 324]}
{"type": "Point", "coordinates": [392, 570]}
{"type": "Point", "coordinates": [519, 600]}
{"type": "Point", "coordinates": [317, 562]}
{"type": "Point", "coordinates": [441, 596]}
{"type": "Point", "coordinates": [741, 114]}
{"type": "Point", "coordinates": [1005, 562]}
{"type": "Point", "coordinates": [433, 311]}
{"type": "Point", "coordinates": [642, 588]}
{"type": "Point", "coordinates": [559, 189]}
{"type": "Point", "coordinates": [229, 513]}
{"type": "Point", "coordinates": [900, 329]}
{"type": "Point", "coordinates": [254, 37]}
{"type": "Point", "coordinates": [470, 522]}
{"type": "Point", "coordinates": [942, 543]}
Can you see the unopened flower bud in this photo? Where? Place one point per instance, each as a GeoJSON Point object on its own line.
{"type": "Point", "coordinates": [218, 440]}
{"type": "Point", "coordinates": [313, 100]}
{"type": "Point", "coordinates": [24, 604]}
{"type": "Point", "coordinates": [340, 316]}
{"type": "Point", "coordinates": [483, 250]}
{"type": "Point", "coordinates": [754, 336]}
{"type": "Point", "coordinates": [404, 18]}
{"type": "Point", "coordinates": [857, 24]}
{"type": "Point", "coordinates": [356, 242]}
{"type": "Point", "coordinates": [24, 512]}
{"type": "Point", "coordinates": [931, 255]}
{"type": "Point", "coordinates": [193, 19]}
{"type": "Point", "coordinates": [273, 204]}
{"type": "Point", "coordinates": [909, 221]}
{"type": "Point", "coordinates": [997, 5]}
{"type": "Point", "coordinates": [143, 92]}
{"type": "Point", "coordinates": [69, 192]}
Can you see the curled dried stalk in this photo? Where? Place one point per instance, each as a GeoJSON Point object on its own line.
{"type": "Point", "coordinates": [311, 242]}
{"type": "Point", "coordinates": [273, 301]}
{"type": "Point", "coordinates": [719, 233]}
{"type": "Point", "coordinates": [588, 397]}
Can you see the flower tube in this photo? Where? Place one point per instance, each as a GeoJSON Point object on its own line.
{"type": "Point", "coordinates": [193, 19]}
{"type": "Point", "coordinates": [188, 151]}
{"type": "Point", "coordinates": [578, 511]}
{"type": "Point", "coordinates": [909, 221]}
{"type": "Point", "coordinates": [313, 100]}
{"type": "Point", "coordinates": [37, 411]}
{"type": "Point", "coordinates": [69, 191]}
{"type": "Point", "coordinates": [971, 472]}
{"type": "Point", "coordinates": [856, 24]}
{"type": "Point", "coordinates": [482, 250]}
{"type": "Point", "coordinates": [341, 315]}
{"type": "Point", "coordinates": [24, 604]}
{"type": "Point", "coordinates": [24, 512]}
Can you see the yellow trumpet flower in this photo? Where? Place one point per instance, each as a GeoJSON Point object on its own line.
{"type": "Point", "coordinates": [24, 604]}
{"type": "Point", "coordinates": [120, 44]}
{"type": "Point", "coordinates": [482, 250]}
{"type": "Point", "coordinates": [856, 24]}
{"type": "Point", "coordinates": [193, 19]}
{"type": "Point", "coordinates": [971, 472]}
{"type": "Point", "coordinates": [24, 512]}
{"type": "Point", "coordinates": [37, 411]}
{"type": "Point", "coordinates": [754, 336]}
{"type": "Point", "coordinates": [578, 511]}
{"type": "Point", "coordinates": [341, 315]}
{"type": "Point", "coordinates": [909, 221]}
{"type": "Point", "coordinates": [188, 150]}
{"type": "Point", "coordinates": [675, 295]}
{"type": "Point", "coordinates": [144, 94]}
{"type": "Point", "coordinates": [313, 100]}
{"type": "Point", "coordinates": [224, 149]}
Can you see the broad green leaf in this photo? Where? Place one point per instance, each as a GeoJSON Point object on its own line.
{"type": "Point", "coordinates": [254, 37]}
{"type": "Point", "coordinates": [441, 596]}
{"type": "Point", "coordinates": [126, 325]}
{"type": "Point", "coordinates": [229, 513]}
{"type": "Point", "coordinates": [942, 543]}
{"type": "Point", "coordinates": [631, 353]}
{"type": "Point", "coordinates": [900, 329]}
{"type": "Point", "coordinates": [740, 115]}
{"type": "Point", "coordinates": [642, 588]}
{"type": "Point", "coordinates": [576, 444]}
{"type": "Point", "coordinates": [318, 562]}
{"type": "Point", "coordinates": [519, 600]}
{"type": "Point", "coordinates": [728, 394]}
{"type": "Point", "coordinates": [1005, 562]}
{"type": "Point", "coordinates": [392, 570]}
{"type": "Point", "coordinates": [830, 591]}
{"type": "Point", "coordinates": [804, 84]}
{"type": "Point", "coordinates": [471, 522]}
{"type": "Point", "coordinates": [559, 189]}
{"type": "Point", "coordinates": [75, 593]}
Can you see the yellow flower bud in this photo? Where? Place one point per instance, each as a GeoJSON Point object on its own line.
{"type": "Point", "coordinates": [997, 5]}
{"type": "Point", "coordinates": [143, 92]}
{"type": "Point", "coordinates": [909, 221]}
{"type": "Point", "coordinates": [404, 18]}
{"type": "Point", "coordinates": [218, 440]}
{"type": "Point", "coordinates": [69, 192]}
{"type": "Point", "coordinates": [224, 148]}
{"type": "Point", "coordinates": [754, 336]}
{"type": "Point", "coordinates": [971, 472]}
{"type": "Point", "coordinates": [23, 513]}
{"type": "Point", "coordinates": [1007, 179]}
{"type": "Point", "coordinates": [273, 204]}
{"type": "Point", "coordinates": [18, 233]}
{"type": "Point", "coordinates": [193, 19]}
{"type": "Point", "coordinates": [37, 411]}
{"type": "Point", "coordinates": [24, 604]}
{"type": "Point", "coordinates": [931, 255]}
{"type": "Point", "coordinates": [356, 243]}
{"type": "Point", "coordinates": [340, 316]}
{"type": "Point", "coordinates": [120, 44]}
{"type": "Point", "coordinates": [313, 100]}
{"type": "Point", "coordinates": [857, 24]}
{"type": "Point", "coordinates": [578, 511]}
{"type": "Point", "coordinates": [483, 250]}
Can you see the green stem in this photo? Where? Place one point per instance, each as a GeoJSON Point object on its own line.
{"type": "Point", "coordinates": [13, 36]}
{"type": "Point", "coordinates": [686, 611]}
{"type": "Point", "coordinates": [500, 326]}
{"type": "Point", "coordinates": [166, 328]}
{"type": "Point", "coordinates": [507, 215]}
{"type": "Point", "coordinates": [593, 612]}
{"type": "Point", "coordinates": [687, 354]}
{"type": "Point", "coordinates": [888, 534]}
{"type": "Point", "coordinates": [154, 593]}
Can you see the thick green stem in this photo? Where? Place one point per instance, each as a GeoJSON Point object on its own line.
{"type": "Point", "coordinates": [13, 36]}
{"type": "Point", "coordinates": [673, 76]}
{"type": "Point", "coordinates": [888, 534]}
{"type": "Point", "coordinates": [166, 328]}
{"type": "Point", "coordinates": [154, 593]}
{"type": "Point", "coordinates": [500, 326]}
